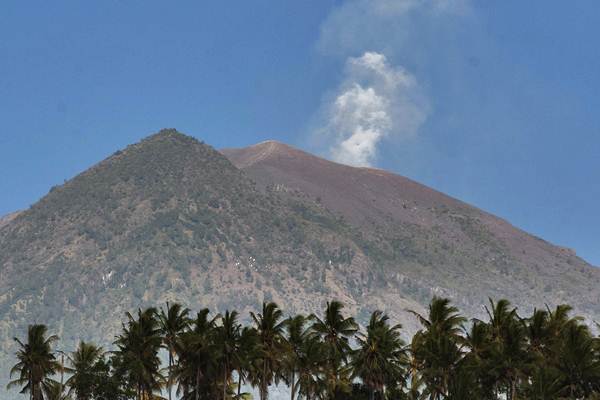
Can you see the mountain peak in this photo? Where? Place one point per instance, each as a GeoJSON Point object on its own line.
{"type": "Point", "coordinates": [167, 149]}
{"type": "Point", "coordinates": [170, 134]}
{"type": "Point", "coordinates": [269, 150]}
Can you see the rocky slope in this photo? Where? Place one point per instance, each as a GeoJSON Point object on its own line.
{"type": "Point", "coordinates": [427, 237]}
{"type": "Point", "coordinates": [170, 218]}
{"type": "Point", "coordinates": [8, 218]}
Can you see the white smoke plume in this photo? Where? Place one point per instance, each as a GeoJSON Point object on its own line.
{"type": "Point", "coordinates": [386, 25]}
{"type": "Point", "coordinates": [375, 100]}
{"type": "Point", "coordinates": [378, 101]}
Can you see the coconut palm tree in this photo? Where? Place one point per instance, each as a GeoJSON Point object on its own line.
{"type": "Point", "coordinates": [172, 321]}
{"type": "Point", "coordinates": [310, 364]}
{"type": "Point", "coordinates": [138, 347]}
{"type": "Point", "coordinates": [36, 362]}
{"type": "Point", "coordinates": [558, 319]}
{"type": "Point", "coordinates": [228, 346]}
{"type": "Point", "coordinates": [248, 350]}
{"type": "Point", "coordinates": [55, 391]}
{"type": "Point", "coordinates": [295, 337]}
{"type": "Point", "coordinates": [577, 359]}
{"type": "Point", "coordinates": [335, 330]}
{"type": "Point", "coordinates": [83, 361]}
{"type": "Point", "coordinates": [509, 353]}
{"type": "Point", "coordinates": [196, 370]}
{"type": "Point", "coordinates": [413, 375]}
{"type": "Point", "coordinates": [544, 383]}
{"type": "Point", "coordinates": [109, 379]}
{"type": "Point", "coordinates": [477, 362]}
{"type": "Point", "coordinates": [196, 366]}
{"type": "Point", "coordinates": [380, 359]}
{"type": "Point", "coordinates": [269, 328]}
{"type": "Point", "coordinates": [438, 346]}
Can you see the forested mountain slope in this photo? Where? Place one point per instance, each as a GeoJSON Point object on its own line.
{"type": "Point", "coordinates": [171, 218]}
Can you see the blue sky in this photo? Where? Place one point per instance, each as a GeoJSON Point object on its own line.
{"type": "Point", "coordinates": [495, 103]}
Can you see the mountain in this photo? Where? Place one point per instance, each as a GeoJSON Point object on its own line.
{"type": "Point", "coordinates": [426, 237]}
{"type": "Point", "coordinates": [171, 218]}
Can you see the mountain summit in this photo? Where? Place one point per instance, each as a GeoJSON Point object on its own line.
{"type": "Point", "coordinates": [171, 218]}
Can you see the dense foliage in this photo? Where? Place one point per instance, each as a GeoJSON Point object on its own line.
{"type": "Point", "coordinates": [547, 355]}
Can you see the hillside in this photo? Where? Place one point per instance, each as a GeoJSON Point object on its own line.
{"type": "Point", "coordinates": [427, 237]}
{"type": "Point", "coordinates": [4, 220]}
{"type": "Point", "coordinates": [171, 218]}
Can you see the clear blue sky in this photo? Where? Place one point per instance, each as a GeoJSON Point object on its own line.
{"type": "Point", "coordinates": [503, 96]}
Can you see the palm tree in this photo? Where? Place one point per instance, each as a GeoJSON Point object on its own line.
{"type": "Point", "coordinates": [36, 362]}
{"type": "Point", "coordinates": [173, 322]}
{"type": "Point", "coordinates": [269, 327]}
{"type": "Point", "coordinates": [413, 376]}
{"type": "Point", "coordinates": [380, 359]}
{"type": "Point", "coordinates": [558, 319]}
{"type": "Point", "coordinates": [228, 346]}
{"type": "Point", "coordinates": [510, 357]}
{"type": "Point", "coordinates": [248, 350]}
{"type": "Point", "coordinates": [335, 331]}
{"type": "Point", "coordinates": [310, 365]}
{"type": "Point", "coordinates": [577, 358]}
{"type": "Point", "coordinates": [196, 361]}
{"type": "Point", "coordinates": [196, 370]}
{"type": "Point", "coordinates": [295, 337]}
{"type": "Point", "coordinates": [477, 361]}
{"type": "Point", "coordinates": [83, 360]}
{"type": "Point", "coordinates": [55, 391]}
{"type": "Point", "coordinates": [544, 384]}
{"type": "Point", "coordinates": [437, 347]}
{"type": "Point", "coordinates": [463, 384]}
{"type": "Point", "coordinates": [138, 347]}
{"type": "Point", "coordinates": [110, 382]}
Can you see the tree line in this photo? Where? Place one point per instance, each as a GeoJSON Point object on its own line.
{"type": "Point", "coordinates": [547, 355]}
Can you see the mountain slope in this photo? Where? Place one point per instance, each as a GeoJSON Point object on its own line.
{"type": "Point", "coordinates": [170, 218]}
{"type": "Point", "coordinates": [432, 238]}
{"type": "Point", "coordinates": [5, 220]}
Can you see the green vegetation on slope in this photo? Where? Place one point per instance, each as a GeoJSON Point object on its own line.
{"type": "Point", "coordinates": [167, 218]}
{"type": "Point", "coordinates": [171, 219]}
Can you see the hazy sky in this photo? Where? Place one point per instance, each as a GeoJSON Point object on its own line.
{"type": "Point", "coordinates": [494, 102]}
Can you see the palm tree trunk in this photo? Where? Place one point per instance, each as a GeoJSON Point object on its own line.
{"type": "Point", "coordinates": [513, 389]}
{"type": "Point", "coordinates": [225, 383]}
{"type": "Point", "coordinates": [263, 384]}
{"type": "Point", "coordinates": [169, 384]}
{"type": "Point", "coordinates": [293, 385]}
{"type": "Point", "coordinates": [197, 385]}
{"type": "Point", "coordinates": [239, 388]}
{"type": "Point", "coordinates": [62, 372]}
